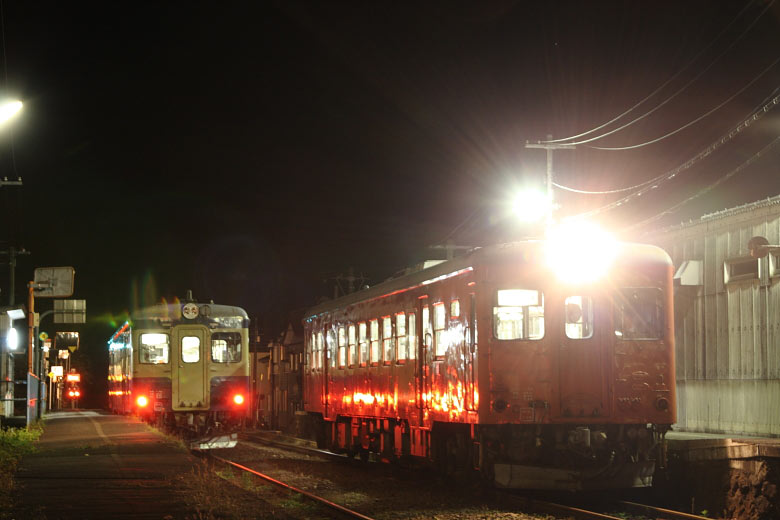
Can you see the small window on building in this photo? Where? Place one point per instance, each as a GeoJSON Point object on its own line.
{"type": "Point", "coordinates": [401, 339]}
{"type": "Point", "coordinates": [439, 326]}
{"type": "Point", "coordinates": [352, 340]}
{"type": "Point", "coordinates": [375, 352]}
{"type": "Point", "coordinates": [363, 343]}
{"type": "Point", "coordinates": [579, 317]}
{"type": "Point", "coordinates": [639, 313]}
{"type": "Point", "coordinates": [454, 309]}
{"type": "Point", "coordinates": [154, 348]}
{"type": "Point", "coordinates": [342, 347]}
{"type": "Point", "coordinates": [387, 339]}
{"type": "Point", "coordinates": [226, 347]}
{"type": "Point", "coordinates": [519, 314]}
{"type": "Point", "coordinates": [190, 349]}
{"type": "Point", "coordinates": [739, 269]}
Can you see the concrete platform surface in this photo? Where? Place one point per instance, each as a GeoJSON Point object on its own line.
{"type": "Point", "coordinates": [698, 446]}
{"type": "Point", "coordinates": [90, 464]}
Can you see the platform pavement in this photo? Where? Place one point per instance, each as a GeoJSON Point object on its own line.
{"type": "Point", "coordinates": [90, 464]}
{"type": "Point", "coordinates": [700, 446]}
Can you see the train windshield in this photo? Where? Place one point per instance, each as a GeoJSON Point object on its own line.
{"type": "Point", "coordinates": [154, 348]}
{"type": "Point", "coordinates": [226, 347]}
{"type": "Point", "coordinates": [519, 314]}
{"type": "Point", "coordinates": [639, 313]}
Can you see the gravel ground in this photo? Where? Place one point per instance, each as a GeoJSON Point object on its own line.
{"type": "Point", "coordinates": [378, 490]}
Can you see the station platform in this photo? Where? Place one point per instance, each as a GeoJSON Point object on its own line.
{"type": "Point", "coordinates": [698, 446]}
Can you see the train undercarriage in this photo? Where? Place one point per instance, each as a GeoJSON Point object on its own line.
{"type": "Point", "coordinates": [562, 456]}
{"type": "Point", "coordinates": [203, 430]}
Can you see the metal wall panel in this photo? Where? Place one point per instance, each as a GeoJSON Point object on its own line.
{"type": "Point", "coordinates": [728, 336]}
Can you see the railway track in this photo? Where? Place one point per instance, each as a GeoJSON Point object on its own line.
{"type": "Point", "coordinates": [349, 513]}
{"type": "Point", "coordinates": [624, 509]}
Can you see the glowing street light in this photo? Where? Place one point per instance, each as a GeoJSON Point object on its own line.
{"type": "Point", "coordinates": [531, 205]}
{"type": "Point", "coordinates": [9, 109]}
{"type": "Point", "coordinates": [12, 339]}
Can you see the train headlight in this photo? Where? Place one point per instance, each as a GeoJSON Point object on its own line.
{"type": "Point", "coordinates": [142, 401]}
{"type": "Point", "coordinates": [238, 399]}
{"type": "Point", "coordinates": [580, 252]}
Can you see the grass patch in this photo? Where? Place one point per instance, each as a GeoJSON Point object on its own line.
{"type": "Point", "coordinates": [14, 444]}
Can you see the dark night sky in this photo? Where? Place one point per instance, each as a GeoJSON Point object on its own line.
{"type": "Point", "coordinates": [249, 153]}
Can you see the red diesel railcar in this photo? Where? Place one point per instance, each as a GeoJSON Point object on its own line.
{"type": "Point", "coordinates": [541, 366]}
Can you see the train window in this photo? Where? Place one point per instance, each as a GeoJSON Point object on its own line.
{"type": "Point", "coordinates": [154, 349]}
{"type": "Point", "coordinates": [639, 313]}
{"type": "Point", "coordinates": [226, 347]}
{"type": "Point", "coordinates": [387, 339]}
{"type": "Point", "coordinates": [519, 314]}
{"type": "Point", "coordinates": [426, 327]}
{"type": "Point", "coordinates": [363, 343]}
{"type": "Point", "coordinates": [579, 317]}
{"type": "Point", "coordinates": [439, 324]}
{"type": "Point", "coordinates": [352, 354]}
{"type": "Point", "coordinates": [401, 340]}
{"type": "Point", "coordinates": [454, 309]}
{"type": "Point", "coordinates": [319, 352]}
{"type": "Point", "coordinates": [375, 352]}
{"type": "Point", "coordinates": [412, 342]}
{"type": "Point", "coordinates": [331, 348]}
{"type": "Point", "coordinates": [342, 347]}
{"type": "Point", "coordinates": [190, 349]}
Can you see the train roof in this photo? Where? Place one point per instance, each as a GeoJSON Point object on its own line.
{"type": "Point", "coordinates": [173, 311]}
{"type": "Point", "coordinates": [628, 251]}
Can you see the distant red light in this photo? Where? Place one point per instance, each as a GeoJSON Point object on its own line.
{"type": "Point", "coordinates": [238, 399]}
{"type": "Point", "coordinates": [142, 401]}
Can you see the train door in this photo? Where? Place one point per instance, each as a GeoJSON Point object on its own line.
{"type": "Point", "coordinates": [424, 355]}
{"type": "Point", "coordinates": [581, 358]}
{"type": "Point", "coordinates": [469, 350]}
{"type": "Point", "coordinates": [190, 385]}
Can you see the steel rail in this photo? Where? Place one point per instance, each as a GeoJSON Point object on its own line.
{"type": "Point", "coordinates": [669, 513]}
{"type": "Point", "coordinates": [553, 508]}
{"type": "Point", "coordinates": [316, 498]}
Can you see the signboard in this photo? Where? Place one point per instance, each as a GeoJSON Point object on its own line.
{"type": "Point", "coordinates": [56, 371]}
{"type": "Point", "coordinates": [70, 311]}
{"type": "Point", "coordinates": [73, 377]}
{"type": "Point", "coordinates": [53, 282]}
{"type": "Point", "coordinates": [67, 340]}
{"type": "Point", "coordinates": [43, 336]}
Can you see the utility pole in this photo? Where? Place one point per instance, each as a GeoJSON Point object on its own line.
{"type": "Point", "coordinates": [549, 146]}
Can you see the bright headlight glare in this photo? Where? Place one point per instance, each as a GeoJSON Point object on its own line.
{"type": "Point", "coordinates": [580, 252]}
{"type": "Point", "coordinates": [9, 109]}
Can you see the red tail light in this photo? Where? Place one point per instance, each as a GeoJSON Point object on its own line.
{"type": "Point", "coordinates": [238, 399]}
{"type": "Point", "coordinates": [142, 401]}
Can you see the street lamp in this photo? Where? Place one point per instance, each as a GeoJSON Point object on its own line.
{"type": "Point", "coordinates": [531, 205]}
{"type": "Point", "coordinates": [9, 109]}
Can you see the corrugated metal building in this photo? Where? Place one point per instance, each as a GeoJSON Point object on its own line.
{"type": "Point", "coordinates": [727, 320]}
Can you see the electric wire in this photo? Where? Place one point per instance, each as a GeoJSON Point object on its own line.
{"type": "Point", "coordinates": [657, 181]}
{"type": "Point", "coordinates": [710, 112]}
{"type": "Point", "coordinates": [706, 189]}
{"type": "Point", "coordinates": [663, 85]}
{"type": "Point", "coordinates": [642, 184]}
{"type": "Point", "coordinates": [667, 100]}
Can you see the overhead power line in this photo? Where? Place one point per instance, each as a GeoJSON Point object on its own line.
{"type": "Point", "coordinates": [655, 182]}
{"type": "Point", "coordinates": [675, 94]}
{"type": "Point", "coordinates": [707, 189]}
{"type": "Point", "coordinates": [731, 98]}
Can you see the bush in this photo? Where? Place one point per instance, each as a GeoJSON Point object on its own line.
{"type": "Point", "coordinates": [14, 444]}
